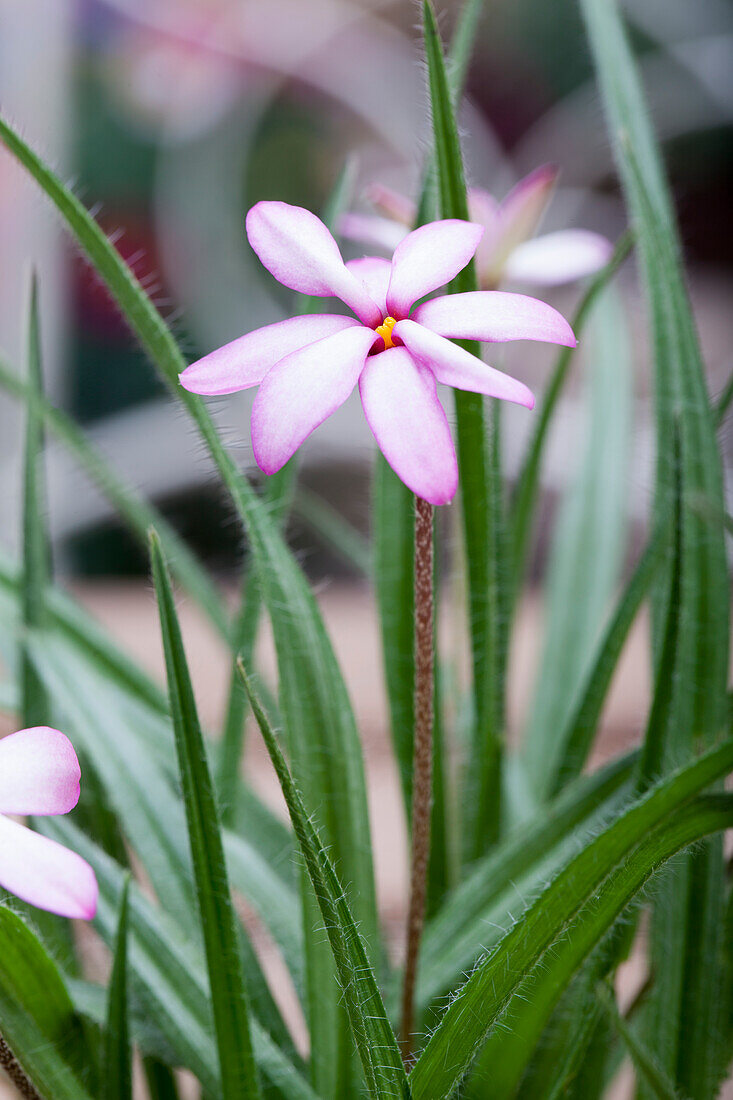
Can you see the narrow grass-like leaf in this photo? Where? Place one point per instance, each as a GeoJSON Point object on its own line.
{"type": "Point", "coordinates": [218, 921]}
{"type": "Point", "coordinates": [168, 975]}
{"type": "Point", "coordinates": [648, 1072]}
{"type": "Point", "coordinates": [481, 493]}
{"type": "Point", "coordinates": [687, 922]}
{"type": "Point", "coordinates": [477, 911]}
{"type": "Point", "coordinates": [37, 1017]}
{"type": "Point", "coordinates": [117, 1061]}
{"type": "Point", "coordinates": [524, 495]}
{"type": "Point", "coordinates": [576, 740]}
{"type": "Point", "coordinates": [36, 548]}
{"type": "Point", "coordinates": [540, 954]}
{"type": "Point", "coordinates": [160, 1080]}
{"type": "Point", "coordinates": [372, 1032]}
{"type": "Point", "coordinates": [588, 543]}
{"type": "Point", "coordinates": [136, 512]}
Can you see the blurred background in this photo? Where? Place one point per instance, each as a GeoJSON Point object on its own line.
{"type": "Point", "coordinates": [173, 116]}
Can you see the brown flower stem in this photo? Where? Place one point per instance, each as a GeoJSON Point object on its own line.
{"type": "Point", "coordinates": [10, 1064]}
{"type": "Point", "coordinates": [422, 767]}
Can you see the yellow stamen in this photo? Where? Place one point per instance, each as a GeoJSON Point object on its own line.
{"type": "Point", "coordinates": [385, 331]}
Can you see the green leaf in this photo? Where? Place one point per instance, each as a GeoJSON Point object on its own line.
{"type": "Point", "coordinates": [168, 975]}
{"type": "Point", "coordinates": [588, 543]}
{"type": "Point", "coordinates": [136, 512]}
{"type": "Point", "coordinates": [117, 1062]}
{"type": "Point", "coordinates": [687, 921]}
{"type": "Point", "coordinates": [576, 739]}
{"type": "Point", "coordinates": [36, 548]}
{"type": "Point", "coordinates": [372, 1032]}
{"type": "Point", "coordinates": [477, 911]}
{"type": "Point", "coordinates": [37, 1018]}
{"type": "Point", "coordinates": [648, 1072]}
{"type": "Point", "coordinates": [524, 496]}
{"type": "Point", "coordinates": [218, 921]}
{"type": "Point", "coordinates": [481, 493]}
{"type": "Point", "coordinates": [527, 971]}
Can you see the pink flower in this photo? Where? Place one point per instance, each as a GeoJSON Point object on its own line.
{"type": "Point", "coordinates": [506, 250]}
{"type": "Point", "coordinates": [306, 367]}
{"type": "Point", "coordinates": [39, 775]}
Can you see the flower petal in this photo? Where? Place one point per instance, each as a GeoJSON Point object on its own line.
{"type": "Point", "coordinates": [374, 272]}
{"type": "Point", "coordinates": [245, 361]}
{"type": "Point", "coordinates": [454, 366]}
{"type": "Point", "coordinates": [522, 209]}
{"type": "Point", "coordinates": [44, 873]}
{"type": "Point", "coordinates": [428, 258]}
{"type": "Point", "coordinates": [302, 390]}
{"type": "Point", "coordinates": [484, 210]}
{"type": "Point", "coordinates": [392, 204]}
{"type": "Point", "coordinates": [39, 772]}
{"type": "Point", "coordinates": [559, 257]}
{"type": "Point", "coordinates": [409, 424]}
{"type": "Point", "coordinates": [297, 248]}
{"type": "Point", "coordinates": [517, 219]}
{"type": "Point", "coordinates": [495, 316]}
{"type": "Point", "coordinates": [372, 230]}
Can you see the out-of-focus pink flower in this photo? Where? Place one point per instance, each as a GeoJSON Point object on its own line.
{"type": "Point", "coordinates": [39, 775]}
{"type": "Point", "coordinates": [306, 367]}
{"type": "Point", "coordinates": [508, 249]}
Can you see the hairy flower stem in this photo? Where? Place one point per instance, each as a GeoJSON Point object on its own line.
{"type": "Point", "coordinates": [10, 1065]}
{"type": "Point", "coordinates": [422, 767]}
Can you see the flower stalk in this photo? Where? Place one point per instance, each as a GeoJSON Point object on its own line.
{"type": "Point", "coordinates": [422, 761]}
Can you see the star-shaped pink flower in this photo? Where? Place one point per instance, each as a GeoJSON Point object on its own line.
{"type": "Point", "coordinates": [397, 352]}
{"type": "Point", "coordinates": [39, 775]}
{"type": "Point", "coordinates": [509, 250]}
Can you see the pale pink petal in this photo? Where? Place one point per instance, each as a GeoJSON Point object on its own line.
{"type": "Point", "coordinates": [409, 424]}
{"type": "Point", "coordinates": [495, 316]}
{"type": "Point", "coordinates": [484, 210]}
{"type": "Point", "coordinates": [454, 366]}
{"type": "Point", "coordinates": [372, 230]}
{"type": "Point", "coordinates": [302, 390]}
{"type": "Point", "coordinates": [44, 873]}
{"type": "Point", "coordinates": [428, 258]}
{"type": "Point", "coordinates": [518, 217]}
{"type": "Point", "coordinates": [522, 209]}
{"type": "Point", "coordinates": [39, 772]}
{"type": "Point", "coordinates": [374, 272]}
{"type": "Point", "coordinates": [297, 248]}
{"type": "Point", "coordinates": [245, 361]}
{"type": "Point", "coordinates": [391, 203]}
{"type": "Point", "coordinates": [559, 257]}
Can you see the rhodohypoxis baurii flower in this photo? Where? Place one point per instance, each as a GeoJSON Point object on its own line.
{"type": "Point", "coordinates": [307, 366]}
{"type": "Point", "coordinates": [508, 250]}
{"type": "Point", "coordinates": [39, 775]}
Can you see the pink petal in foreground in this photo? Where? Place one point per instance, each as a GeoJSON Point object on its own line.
{"type": "Point", "coordinates": [495, 316]}
{"type": "Point", "coordinates": [39, 772]}
{"type": "Point", "coordinates": [44, 873]}
{"type": "Point", "coordinates": [245, 361]}
{"type": "Point", "coordinates": [374, 272]}
{"type": "Point", "coordinates": [372, 230]}
{"type": "Point", "coordinates": [428, 258]}
{"type": "Point", "coordinates": [302, 390]}
{"type": "Point", "coordinates": [409, 424]}
{"type": "Point", "coordinates": [559, 257]}
{"type": "Point", "coordinates": [456, 367]}
{"type": "Point", "coordinates": [297, 248]}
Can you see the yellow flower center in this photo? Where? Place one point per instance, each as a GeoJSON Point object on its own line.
{"type": "Point", "coordinates": [385, 331]}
